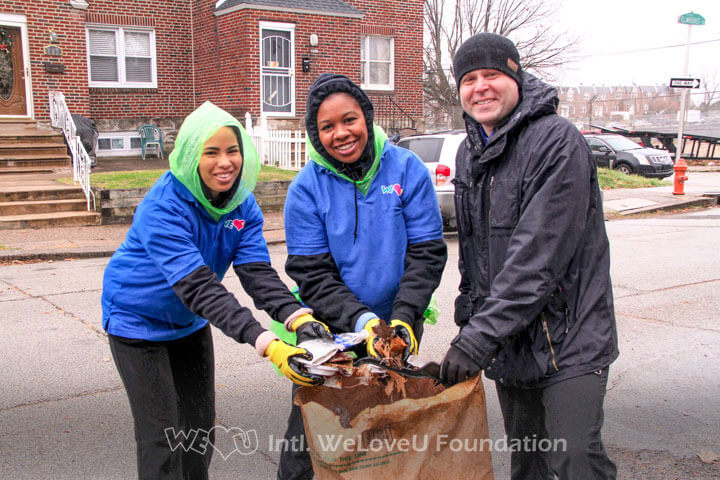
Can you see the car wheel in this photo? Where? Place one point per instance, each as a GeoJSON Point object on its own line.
{"type": "Point", "coordinates": [624, 168]}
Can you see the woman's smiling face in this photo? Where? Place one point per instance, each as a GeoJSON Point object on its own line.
{"type": "Point", "coordinates": [220, 161]}
{"type": "Point", "coordinates": [341, 127]}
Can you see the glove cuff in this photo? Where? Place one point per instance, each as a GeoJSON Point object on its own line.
{"type": "Point", "coordinates": [294, 316]}
{"type": "Point", "coordinates": [363, 320]}
{"type": "Point", "coordinates": [263, 342]}
{"type": "Point", "coordinates": [403, 323]}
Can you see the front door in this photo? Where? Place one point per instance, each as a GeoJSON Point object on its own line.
{"type": "Point", "coordinates": [13, 97]}
{"type": "Point", "coordinates": [276, 69]}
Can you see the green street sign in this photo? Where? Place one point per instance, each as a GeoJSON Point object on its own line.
{"type": "Point", "coordinates": [691, 19]}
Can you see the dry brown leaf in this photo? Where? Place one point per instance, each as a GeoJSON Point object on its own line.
{"type": "Point", "coordinates": [708, 457]}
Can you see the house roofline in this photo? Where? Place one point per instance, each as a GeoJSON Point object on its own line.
{"type": "Point", "coordinates": [247, 6]}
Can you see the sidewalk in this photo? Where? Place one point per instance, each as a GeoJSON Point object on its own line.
{"type": "Point", "coordinates": [60, 243]}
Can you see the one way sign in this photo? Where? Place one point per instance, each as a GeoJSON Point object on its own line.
{"type": "Point", "coordinates": [685, 83]}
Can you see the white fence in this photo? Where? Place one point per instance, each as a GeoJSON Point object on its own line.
{"type": "Point", "coordinates": [278, 148]}
{"type": "Point", "coordinates": [60, 118]}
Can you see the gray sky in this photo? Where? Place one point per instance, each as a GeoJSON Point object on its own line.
{"type": "Point", "coordinates": [620, 41]}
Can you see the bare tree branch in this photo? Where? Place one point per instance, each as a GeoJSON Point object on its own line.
{"type": "Point", "coordinates": [529, 23]}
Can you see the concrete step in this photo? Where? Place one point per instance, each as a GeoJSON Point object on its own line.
{"type": "Point", "coordinates": [26, 170]}
{"type": "Point", "coordinates": [36, 148]}
{"type": "Point", "coordinates": [41, 220]}
{"type": "Point", "coordinates": [35, 160]}
{"type": "Point", "coordinates": [19, 193]}
{"type": "Point", "coordinates": [42, 206]}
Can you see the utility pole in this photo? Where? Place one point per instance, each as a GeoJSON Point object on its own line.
{"type": "Point", "coordinates": [689, 19]}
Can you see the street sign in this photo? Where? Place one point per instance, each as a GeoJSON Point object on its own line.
{"type": "Point", "coordinates": [684, 83]}
{"type": "Point", "coordinates": [691, 19]}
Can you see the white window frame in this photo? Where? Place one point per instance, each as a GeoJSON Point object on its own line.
{"type": "Point", "coordinates": [127, 149]}
{"type": "Point", "coordinates": [365, 64]}
{"type": "Point", "coordinates": [120, 55]}
{"type": "Point", "coordinates": [283, 27]}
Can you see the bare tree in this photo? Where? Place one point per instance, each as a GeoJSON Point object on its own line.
{"type": "Point", "coordinates": [448, 24]}
{"type": "Point", "coordinates": [711, 84]}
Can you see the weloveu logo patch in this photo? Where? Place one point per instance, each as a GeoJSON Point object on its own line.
{"type": "Point", "coordinates": [392, 189]}
{"type": "Point", "coordinates": [237, 224]}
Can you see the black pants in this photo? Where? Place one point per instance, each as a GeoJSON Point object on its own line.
{"type": "Point", "coordinates": [295, 463]}
{"type": "Point", "coordinates": [171, 388]}
{"type": "Point", "coordinates": [570, 415]}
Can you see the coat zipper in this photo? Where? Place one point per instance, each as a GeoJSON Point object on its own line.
{"type": "Point", "coordinates": [547, 335]}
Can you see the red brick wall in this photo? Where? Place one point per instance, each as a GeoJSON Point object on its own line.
{"type": "Point", "coordinates": [231, 77]}
{"type": "Point", "coordinates": [173, 96]}
{"type": "Point", "coordinates": [226, 53]}
{"type": "Point", "coordinates": [405, 17]}
{"type": "Point", "coordinates": [69, 24]}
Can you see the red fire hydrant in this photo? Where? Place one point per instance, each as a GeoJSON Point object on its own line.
{"type": "Point", "coordinates": [680, 178]}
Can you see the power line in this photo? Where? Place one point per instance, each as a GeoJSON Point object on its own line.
{"type": "Point", "coordinates": [577, 57]}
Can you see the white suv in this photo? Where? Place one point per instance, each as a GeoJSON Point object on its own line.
{"type": "Point", "coordinates": [437, 151]}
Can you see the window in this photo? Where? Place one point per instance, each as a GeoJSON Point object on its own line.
{"type": "Point", "coordinates": [118, 144]}
{"type": "Point", "coordinates": [121, 57]}
{"type": "Point", "coordinates": [428, 149]}
{"type": "Point", "coordinates": [377, 68]}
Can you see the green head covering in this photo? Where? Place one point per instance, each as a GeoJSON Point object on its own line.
{"type": "Point", "coordinates": [197, 129]}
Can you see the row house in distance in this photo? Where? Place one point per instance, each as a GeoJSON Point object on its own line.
{"type": "Point", "coordinates": [124, 64]}
{"type": "Point", "coordinates": [588, 104]}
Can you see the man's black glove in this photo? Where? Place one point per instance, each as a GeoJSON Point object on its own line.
{"type": "Point", "coordinates": [463, 309]}
{"type": "Point", "coordinates": [457, 367]}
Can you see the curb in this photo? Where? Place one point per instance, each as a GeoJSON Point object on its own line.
{"type": "Point", "coordinates": [697, 202]}
{"type": "Point", "coordinates": [6, 258]}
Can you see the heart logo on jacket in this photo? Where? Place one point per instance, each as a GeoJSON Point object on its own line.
{"type": "Point", "coordinates": [237, 224]}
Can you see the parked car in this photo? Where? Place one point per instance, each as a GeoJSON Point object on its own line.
{"type": "Point", "coordinates": [624, 155]}
{"type": "Point", "coordinates": [437, 151]}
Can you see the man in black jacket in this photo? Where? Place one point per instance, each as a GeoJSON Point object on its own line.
{"type": "Point", "coordinates": [535, 308]}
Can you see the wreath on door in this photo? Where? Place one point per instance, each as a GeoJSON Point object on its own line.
{"type": "Point", "coordinates": [5, 40]}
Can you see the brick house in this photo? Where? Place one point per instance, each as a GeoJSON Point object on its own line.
{"type": "Point", "coordinates": [589, 104]}
{"type": "Point", "coordinates": [127, 63]}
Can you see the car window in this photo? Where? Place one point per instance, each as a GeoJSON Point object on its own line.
{"type": "Point", "coordinates": [617, 142]}
{"type": "Point", "coordinates": [595, 144]}
{"type": "Point", "coordinates": [428, 149]}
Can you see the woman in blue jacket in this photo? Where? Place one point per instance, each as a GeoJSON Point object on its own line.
{"type": "Point", "coordinates": [363, 231]}
{"type": "Point", "coordinates": [163, 285]}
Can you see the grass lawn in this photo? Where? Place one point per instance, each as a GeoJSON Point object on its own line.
{"type": "Point", "coordinates": [611, 179]}
{"type": "Point", "coordinates": [145, 178]}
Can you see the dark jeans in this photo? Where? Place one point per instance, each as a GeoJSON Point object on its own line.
{"type": "Point", "coordinates": [569, 412]}
{"type": "Point", "coordinates": [295, 463]}
{"type": "Point", "coordinates": [170, 385]}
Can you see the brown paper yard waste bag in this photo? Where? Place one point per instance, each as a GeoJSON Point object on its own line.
{"type": "Point", "coordinates": [432, 433]}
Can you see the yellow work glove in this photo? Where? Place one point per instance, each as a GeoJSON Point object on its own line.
{"type": "Point", "coordinates": [308, 328]}
{"type": "Point", "coordinates": [405, 331]}
{"type": "Point", "coordinates": [282, 355]}
{"type": "Point", "coordinates": [372, 338]}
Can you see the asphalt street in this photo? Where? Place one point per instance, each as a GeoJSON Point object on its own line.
{"type": "Point", "coordinates": [64, 413]}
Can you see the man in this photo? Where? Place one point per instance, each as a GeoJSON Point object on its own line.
{"type": "Point", "coordinates": [535, 308]}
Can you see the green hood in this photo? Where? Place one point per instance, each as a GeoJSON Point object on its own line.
{"type": "Point", "coordinates": [197, 128]}
{"type": "Point", "coordinates": [364, 184]}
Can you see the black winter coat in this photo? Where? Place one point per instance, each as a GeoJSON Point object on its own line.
{"type": "Point", "coordinates": [536, 300]}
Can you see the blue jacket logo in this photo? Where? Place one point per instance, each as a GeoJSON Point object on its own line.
{"type": "Point", "coordinates": [392, 189]}
{"type": "Point", "coordinates": [236, 224]}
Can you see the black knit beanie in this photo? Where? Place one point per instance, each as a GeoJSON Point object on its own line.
{"type": "Point", "coordinates": [325, 85]}
{"type": "Point", "coordinates": [487, 50]}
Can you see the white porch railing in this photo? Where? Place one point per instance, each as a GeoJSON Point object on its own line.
{"type": "Point", "coordinates": [278, 148]}
{"type": "Point", "coordinates": [60, 118]}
